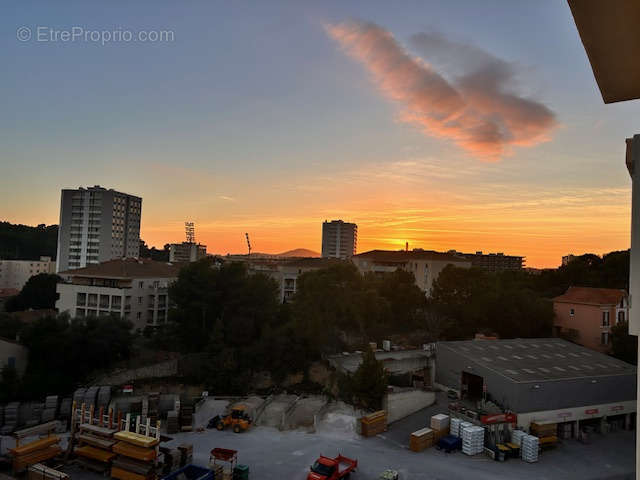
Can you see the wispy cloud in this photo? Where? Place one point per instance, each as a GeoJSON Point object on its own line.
{"type": "Point", "coordinates": [475, 106]}
{"type": "Point", "coordinates": [226, 198]}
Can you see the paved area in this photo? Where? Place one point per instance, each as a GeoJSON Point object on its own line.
{"type": "Point", "coordinates": [272, 454]}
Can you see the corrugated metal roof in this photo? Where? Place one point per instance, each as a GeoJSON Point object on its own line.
{"type": "Point", "coordinates": [550, 359]}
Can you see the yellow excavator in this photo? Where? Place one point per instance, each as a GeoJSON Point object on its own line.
{"type": "Point", "coordinates": [238, 419]}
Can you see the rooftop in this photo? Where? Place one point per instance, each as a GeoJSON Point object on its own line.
{"type": "Point", "coordinates": [591, 296]}
{"type": "Point", "coordinates": [407, 255]}
{"type": "Point", "coordinates": [537, 359]}
{"type": "Point", "coordinates": [8, 292]}
{"type": "Point", "coordinates": [127, 268]}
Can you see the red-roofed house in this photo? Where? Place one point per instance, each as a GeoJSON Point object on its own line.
{"type": "Point", "coordinates": [585, 315]}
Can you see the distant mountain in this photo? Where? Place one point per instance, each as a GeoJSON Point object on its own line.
{"type": "Point", "coordinates": [299, 252]}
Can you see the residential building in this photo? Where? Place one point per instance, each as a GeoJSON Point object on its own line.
{"type": "Point", "coordinates": [15, 273]}
{"type": "Point", "coordinates": [285, 271]}
{"type": "Point", "coordinates": [12, 354]}
{"type": "Point", "coordinates": [493, 262]}
{"type": "Point", "coordinates": [339, 239]}
{"type": "Point", "coordinates": [97, 225]}
{"type": "Point", "coordinates": [585, 315]}
{"type": "Point", "coordinates": [543, 380]}
{"type": "Point", "coordinates": [134, 289]}
{"type": "Point", "coordinates": [425, 265]}
{"type": "Point", "coordinates": [186, 252]}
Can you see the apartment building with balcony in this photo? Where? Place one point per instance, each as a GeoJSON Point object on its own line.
{"type": "Point", "coordinates": [97, 225]}
{"type": "Point", "coordinates": [134, 289]}
{"type": "Point", "coordinates": [425, 265]}
{"type": "Point", "coordinates": [585, 315]}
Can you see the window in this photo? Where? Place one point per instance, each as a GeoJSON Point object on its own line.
{"type": "Point", "coordinates": [621, 316]}
{"type": "Point", "coordinates": [141, 284]}
{"type": "Point", "coordinates": [11, 362]}
{"type": "Point", "coordinates": [604, 338]}
{"type": "Point", "coordinates": [139, 315]}
{"type": "Point", "coordinates": [93, 300]}
{"type": "Point", "coordinates": [572, 312]}
{"type": "Point", "coordinates": [81, 299]}
{"type": "Point", "coordinates": [116, 302]}
{"type": "Point", "coordinates": [605, 319]}
{"type": "Point", "coordinates": [139, 300]}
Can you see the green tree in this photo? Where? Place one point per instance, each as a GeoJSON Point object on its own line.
{"type": "Point", "coordinates": [10, 326]}
{"type": "Point", "coordinates": [624, 346]}
{"type": "Point", "coordinates": [368, 385]}
{"type": "Point", "coordinates": [9, 384]}
{"type": "Point", "coordinates": [38, 293]}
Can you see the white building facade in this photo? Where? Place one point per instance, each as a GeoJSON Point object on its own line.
{"type": "Point", "coordinates": [97, 225]}
{"type": "Point", "coordinates": [15, 273]}
{"type": "Point", "coordinates": [136, 290]}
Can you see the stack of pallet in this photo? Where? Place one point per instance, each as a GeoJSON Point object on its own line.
{"type": "Point", "coordinates": [374, 423]}
{"type": "Point", "coordinates": [172, 422]}
{"type": "Point", "coordinates": [186, 417]}
{"type": "Point", "coordinates": [171, 459]}
{"type": "Point", "coordinates": [50, 411]}
{"type": "Point", "coordinates": [95, 447]}
{"type": "Point", "coordinates": [136, 458]}
{"type": "Point", "coordinates": [440, 426]}
{"type": "Point", "coordinates": [565, 430]}
{"type": "Point", "coordinates": [472, 440]}
{"type": "Point", "coordinates": [530, 448]}
{"type": "Point", "coordinates": [186, 453]}
{"type": "Point", "coordinates": [35, 452]}
{"type": "Point", "coordinates": [421, 439]}
{"type": "Point", "coordinates": [547, 433]}
{"type": "Point", "coordinates": [42, 472]}
{"type": "Point", "coordinates": [516, 437]}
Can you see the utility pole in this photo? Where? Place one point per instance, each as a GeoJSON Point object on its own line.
{"type": "Point", "coordinates": [248, 244]}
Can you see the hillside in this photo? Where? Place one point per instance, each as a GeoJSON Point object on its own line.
{"type": "Point", "coordinates": [23, 242]}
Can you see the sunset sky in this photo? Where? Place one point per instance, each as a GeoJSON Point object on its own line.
{"type": "Point", "coordinates": [451, 125]}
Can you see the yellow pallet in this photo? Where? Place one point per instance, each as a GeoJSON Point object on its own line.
{"type": "Point", "coordinates": [95, 453]}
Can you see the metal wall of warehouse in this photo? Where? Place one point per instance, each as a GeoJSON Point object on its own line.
{"type": "Point", "coordinates": [524, 397]}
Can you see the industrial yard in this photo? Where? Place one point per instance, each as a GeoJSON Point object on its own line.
{"type": "Point", "coordinates": [271, 453]}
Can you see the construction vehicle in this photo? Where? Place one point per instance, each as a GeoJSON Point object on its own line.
{"type": "Point", "coordinates": [238, 420]}
{"type": "Point", "coordinates": [325, 468]}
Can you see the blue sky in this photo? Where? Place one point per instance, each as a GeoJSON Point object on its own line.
{"type": "Point", "coordinates": [253, 118]}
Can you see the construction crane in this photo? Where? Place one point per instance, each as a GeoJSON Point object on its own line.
{"type": "Point", "coordinates": [190, 230]}
{"type": "Point", "coordinates": [248, 243]}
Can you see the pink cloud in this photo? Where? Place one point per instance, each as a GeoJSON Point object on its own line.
{"type": "Point", "coordinates": [476, 108]}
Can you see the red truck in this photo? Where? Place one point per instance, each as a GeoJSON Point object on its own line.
{"type": "Point", "coordinates": [325, 468]}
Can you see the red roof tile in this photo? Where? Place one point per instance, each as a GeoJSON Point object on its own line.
{"type": "Point", "coordinates": [591, 296]}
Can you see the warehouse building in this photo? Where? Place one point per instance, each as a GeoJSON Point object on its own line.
{"type": "Point", "coordinates": [547, 380]}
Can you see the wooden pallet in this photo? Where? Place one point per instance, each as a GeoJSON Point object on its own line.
{"type": "Point", "coordinates": [93, 453]}
{"type": "Point", "coordinates": [133, 451]}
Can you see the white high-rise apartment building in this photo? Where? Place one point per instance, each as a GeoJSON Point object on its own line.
{"type": "Point", "coordinates": [97, 225]}
{"type": "Point", "coordinates": [339, 239]}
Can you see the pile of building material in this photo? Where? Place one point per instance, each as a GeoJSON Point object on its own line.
{"type": "Point", "coordinates": [95, 443]}
{"type": "Point", "coordinates": [565, 430]}
{"type": "Point", "coordinates": [186, 453]}
{"type": "Point", "coordinates": [440, 426]}
{"type": "Point", "coordinates": [530, 448]}
{"type": "Point", "coordinates": [516, 437]}
{"type": "Point", "coordinates": [38, 450]}
{"type": "Point", "coordinates": [547, 433]}
{"type": "Point", "coordinates": [472, 440]}
{"type": "Point", "coordinates": [172, 422]}
{"type": "Point", "coordinates": [374, 423]}
{"type": "Point", "coordinates": [42, 472]}
{"type": "Point", "coordinates": [421, 440]}
{"type": "Point", "coordinates": [10, 418]}
{"type": "Point", "coordinates": [186, 417]}
{"type": "Point", "coordinates": [454, 427]}
{"type": "Point", "coordinates": [50, 411]}
{"type": "Point", "coordinates": [136, 458]}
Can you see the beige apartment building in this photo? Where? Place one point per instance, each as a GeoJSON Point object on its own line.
{"type": "Point", "coordinates": [15, 273]}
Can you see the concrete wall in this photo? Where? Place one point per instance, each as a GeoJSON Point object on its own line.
{"type": "Point", "coordinates": [12, 350]}
{"type": "Point", "coordinates": [403, 403]}
{"type": "Point", "coordinates": [15, 273]}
